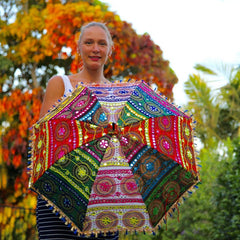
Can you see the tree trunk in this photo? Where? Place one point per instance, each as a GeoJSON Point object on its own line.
{"type": "Point", "coordinates": [34, 77]}
{"type": "Point", "coordinates": [25, 6]}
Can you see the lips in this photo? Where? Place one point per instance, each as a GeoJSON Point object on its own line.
{"type": "Point", "coordinates": [95, 58]}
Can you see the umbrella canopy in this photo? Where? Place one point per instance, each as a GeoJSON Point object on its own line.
{"type": "Point", "coordinates": [113, 157]}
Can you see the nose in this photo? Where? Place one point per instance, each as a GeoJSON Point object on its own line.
{"type": "Point", "coordinates": [95, 47]}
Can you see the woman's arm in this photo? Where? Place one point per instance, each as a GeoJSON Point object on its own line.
{"type": "Point", "coordinates": [54, 92]}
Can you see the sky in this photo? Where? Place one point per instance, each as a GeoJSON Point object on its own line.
{"type": "Point", "coordinates": [189, 32]}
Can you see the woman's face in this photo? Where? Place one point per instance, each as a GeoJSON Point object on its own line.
{"type": "Point", "coordinates": [94, 48]}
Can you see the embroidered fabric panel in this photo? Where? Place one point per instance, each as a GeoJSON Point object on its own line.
{"type": "Point", "coordinates": [113, 93]}
{"type": "Point", "coordinates": [115, 202]}
{"type": "Point", "coordinates": [143, 104]}
{"type": "Point", "coordinates": [67, 184]}
{"type": "Point", "coordinates": [82, 105]}
{"type": "Point", "coordinates": [113, 99]}
{"type": "Point", "coordinates": [170, 135]}
{"type": "Point", "coordinates": [161, 181]}
{"type": "Point", "coordinates": [63, 135]}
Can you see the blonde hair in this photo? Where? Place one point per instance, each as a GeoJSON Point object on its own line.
{"type": "Point", "coordinates": [96, 24]}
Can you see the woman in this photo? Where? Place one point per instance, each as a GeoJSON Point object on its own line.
{"type": "Point", "coordinates": [94, 46]}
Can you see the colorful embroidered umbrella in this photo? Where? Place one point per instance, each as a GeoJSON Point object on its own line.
{"type": "Point", "coordinates": [113, 157]}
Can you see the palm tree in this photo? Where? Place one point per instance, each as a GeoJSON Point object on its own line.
{"type": "Point", "coordinates": [217, 110]}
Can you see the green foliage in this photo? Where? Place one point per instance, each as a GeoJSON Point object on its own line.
{"type": "Point", "coordinates": [227, 126]}
{"type": "Point", "coordinates": [226, 219]}
{"type": "Point", "coordinates": [204, 69]}
{"type": "Point", "coordinates": [218, 115]}
{"type": "Point", "coordinates": [5, 64]}
{"type": "Point", "coordinates": [204, 107]}
{"type": "Point", "coordinates": [198, 91]}
{"type": "Point", "coordinates": [213, 211]}
{"type": "Point", "coordinates": [139, 236]}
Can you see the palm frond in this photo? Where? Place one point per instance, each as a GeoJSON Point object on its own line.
{"type": "Point", "coordinates": [204, 69]}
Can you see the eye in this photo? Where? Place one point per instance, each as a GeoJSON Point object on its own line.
{"type": "Point", "coordinates": [103, 43]}
{"type": "Point", "coordinates": [88, 42]}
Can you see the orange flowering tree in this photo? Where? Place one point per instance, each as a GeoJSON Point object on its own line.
{"type": "Point", "coordinates": [41, 41]}
{"type": "Point", "coordinates": [18, 112]}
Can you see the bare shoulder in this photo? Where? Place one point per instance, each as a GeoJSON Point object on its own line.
{"type": "Point", "coordinates": [54, 92]}
{"type": "Point", "coordinates": [56, 80]}
{"type": "Point", "coordinates": [55, 86]}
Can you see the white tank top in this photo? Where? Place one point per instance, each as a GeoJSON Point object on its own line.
{"type": "Point", "coordinates": [67, 84]}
